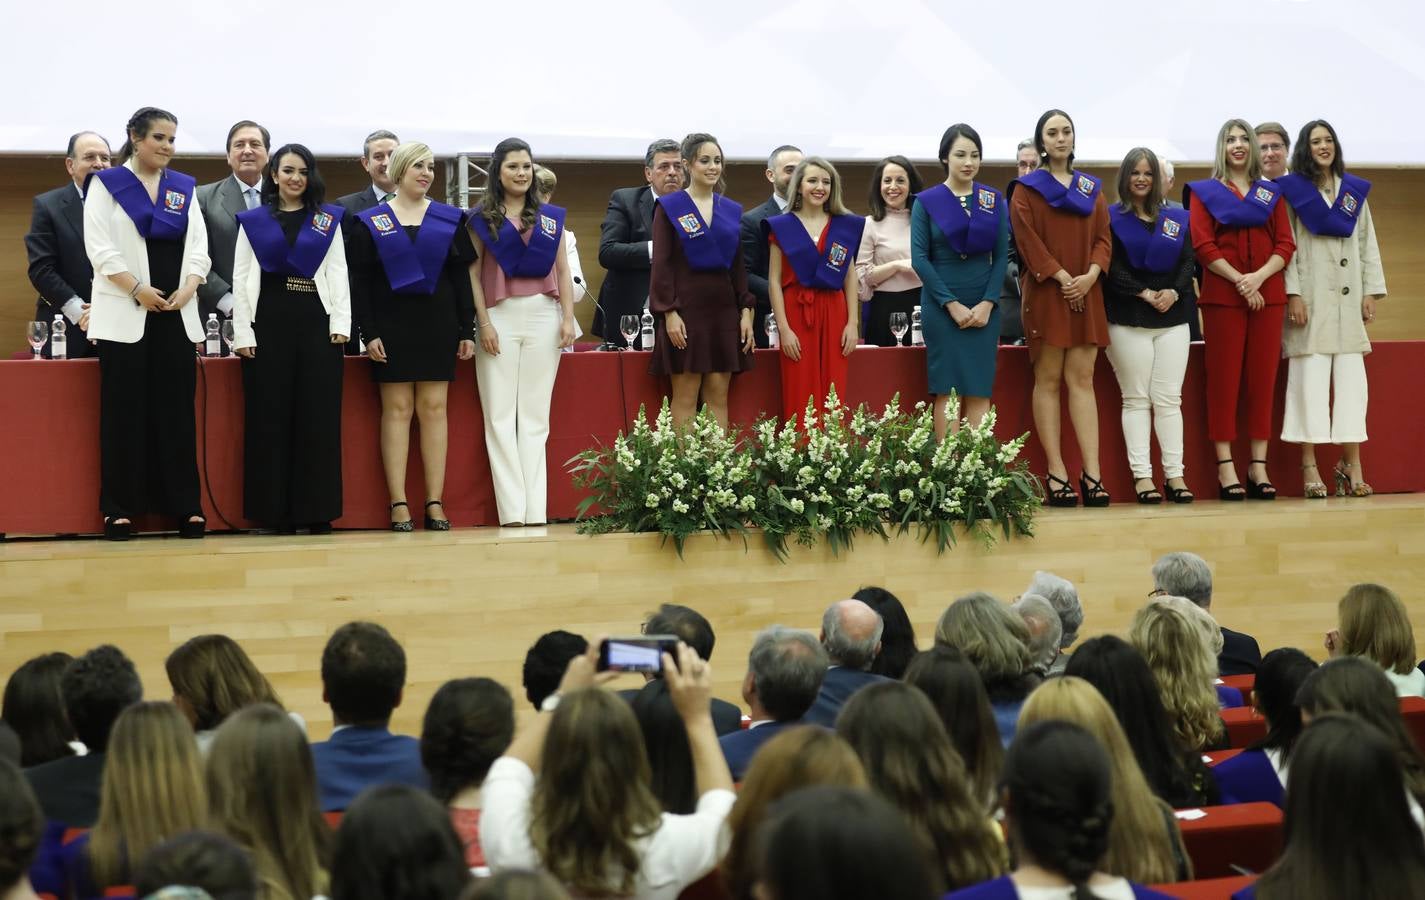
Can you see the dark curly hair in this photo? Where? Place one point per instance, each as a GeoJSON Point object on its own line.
{"type": "Point", "coordinates": [96, 688]}
{"type": "Point", "coordinates": [468, 725]}
{"type": "Point", "coordinates": [21, 825]}
{"type": "Point", "coordinates": [546, 661]}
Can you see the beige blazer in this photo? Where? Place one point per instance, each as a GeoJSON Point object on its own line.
{"type": "Point", "coordinates": [333, 289]}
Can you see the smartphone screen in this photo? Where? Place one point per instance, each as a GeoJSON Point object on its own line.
{"type": "Point", "coordinates": [635, 654]}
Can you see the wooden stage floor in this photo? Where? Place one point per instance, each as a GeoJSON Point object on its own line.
{"type": "Point", "coordinates": [470, 602]}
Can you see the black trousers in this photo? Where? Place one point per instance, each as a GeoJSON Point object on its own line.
{"type": "Point", "coordinates": [878, 316]}
{"type": "Point", "coordinates": [148, 449]}
{"type": "Point", "coordinates": [292, 391]}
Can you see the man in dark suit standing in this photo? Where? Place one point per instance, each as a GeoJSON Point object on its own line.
{"type": "Point", "coordinates": [1187, 575]}
{"type": "Point", "coordinates": [626, 239]}
{"type": "Point", "coordinates": [248, 147]}
{"type": "Point", "coordinates": [59, 265]}
{"type": "Point", "coordinates": [780, 166]}
{"type": "Point", "coordinates": [784, 673]}
{"type": "Point", "coordinates": [851, 634]}
{"type": "Point", "coordinates": [375, 159]}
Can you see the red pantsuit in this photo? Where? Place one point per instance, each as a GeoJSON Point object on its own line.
{"type": "Point", "coordinates": [1243, 346]}
{"type": "Point", "coordinates": [818, 317]}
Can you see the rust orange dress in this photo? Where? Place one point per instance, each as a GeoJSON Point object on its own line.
{"type": "Point", "coordinates": [1050, 239]}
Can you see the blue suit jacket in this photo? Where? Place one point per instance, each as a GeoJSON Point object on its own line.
{"type": "Point", "coordinates": [355, 758]}
{"type": "Point", "coordinates": [836, 688]}
{"type": "Point", "coordinates": [740, 746]}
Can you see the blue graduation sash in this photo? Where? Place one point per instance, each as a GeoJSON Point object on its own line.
{"type": "Point", "coordinates": [166, 220]}
{"type": "Point", "coordinates": [412, 267]}
{"type": "Point", "coordinates": [1157, 250]}
{"type": "Point", "coordinates": [967, 234]}
{"type": "Point", "coordinates": [1078, 198]}
{"type": "Point", "coordinates": [1336, 220]}
{"type": "Point", "coordinates": [725, 231]}
{"type": "Point", "coordinates": [1228, 209]}
{"type": "Point", "coordinates": [516, 258]}
{"type": "Point", "coordinates": [815, 269]}
{"type": "Point", "coordinates": [303, 256]}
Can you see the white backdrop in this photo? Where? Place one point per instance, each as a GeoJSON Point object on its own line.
{"type": "Point", "coordinates": [851, 79]}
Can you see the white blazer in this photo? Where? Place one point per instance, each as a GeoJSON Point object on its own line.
{"type": "Point", "coordinates": [333, 289]}
{"type": "Point", "coordinates": [114, 245]}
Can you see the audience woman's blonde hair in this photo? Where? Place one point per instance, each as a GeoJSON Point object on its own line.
{"type": "Point", "coordinates": [1375, 624]}
{"type": "Point", "coordinates": [1173, 642]}
{"type": "Point", "coordinates": [993, 638]}
{"type": "Point", "coordinates": [1144, 844]}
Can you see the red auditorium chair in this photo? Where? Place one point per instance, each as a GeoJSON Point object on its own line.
{"type": "Point", "coordinates": [1207, 889]}
{"type": "Point", "coordinates": [1248, 835]}
{"type": "Point", "coordinates": [1244, 726]}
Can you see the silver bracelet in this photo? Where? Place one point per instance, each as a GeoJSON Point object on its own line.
{"type": "Point", "coordinates": [134, 291]}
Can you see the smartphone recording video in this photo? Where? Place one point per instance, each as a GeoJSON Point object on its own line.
{"type": "Point", "coordinates": [636, 654]}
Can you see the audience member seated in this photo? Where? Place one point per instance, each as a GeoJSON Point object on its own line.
{"type": "Point", "coordinates": [153, 788]}
{"type": "Point", "coordinates": [1119, 672]}
{"type": "Point", "coordinates": [1187, 575]}
{"type": "Point", "coordinates": [396, 841]}
{"type": "Point", "coordinates": [262, 789]}
{"type": "Point", "coordinates": [1182, 664]}
{"type": "Point", "coordinates": [363, 676]}
{"type": "Point", "coordinates": [546, 661]}
{"type": "Point", "coordinates": [34, 707]}
{"type": "Point", "coordinates": [955, 690]}
{"type": "Point", "coordinates": [202, 860]}
{"type": "Point", "coordinates": [897, 636]}
{"type": "Point", "coordinates": [1373, 623]}
{"type": "Point", "coordinates": [690, 627]}
{"type": "Point", "coordinates": [1046, 632]}
{"type": "Point", "coordinates": [96, 687]}
{"type": "Point", "coordinates": [785, 669]}
{"type": "Point", "coordinates": [665, 740]}
{"type": "Point", "coordinates": [1064, 597]}
{"type": "Point", "coordinates": [9, 745]}
{"type": "Point", "coordinates": [1144, 843]}
{"type": "Point", "coordinates": [1210, 634]}
{"type": "Point", "coordinates": [1259, 772]}
{"type": "Point", "coordinates": [516, 884]}
{"type": "Point", "coordinates": [851, 635]}
{"type": "Point", "coordinates": [590, 819]}
{"type": "Point", "coordinates": [910, 761]}
{"type": "Point", "coordinates": [21, 825]}
{"type": "Point", "coordinates": [1057, 798]}
{"type": "Point", "coordinates": [212, 678]}
{"type": "Point", "coordinates": [839, 843]}
{"type": "Point", "coordinates": [468, 725]}
{"type": "Point", "coordinates": [996, 642]}
{"type": "Point", "coordinates": [1348, 828]}
{"type": "Point", "coordinates": [797, 758]}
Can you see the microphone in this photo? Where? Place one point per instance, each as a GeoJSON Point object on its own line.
{"type": "Point", "coordinates": [608, 345]}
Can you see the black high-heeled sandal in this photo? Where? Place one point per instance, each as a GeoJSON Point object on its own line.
{"type": "Point", "coordinates": [1178, 495]}
{"type": "Point", "coordinates": [1064, 496]}
{"type": "Point", "coordinates": [1150, 497]}
{"type": "Point", "coordinates": [1233, 492]}
{"type": "Point", "coordinates": [436, 524]}
{"type": "Point", "coordinates": [1094, 494]}
{"type": "Point", "coordinates": [402, 527]}
{"type": "Point", "coordinates": [1260, 490]}
{"type": "Point", "coordinates": [117, 531]}
{"type": "Point", "coordinates": [192, 531]}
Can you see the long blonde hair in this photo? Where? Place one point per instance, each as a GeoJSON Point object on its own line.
{"type": "Point", "coordinates": [152, 789]}
{"type": "Point", "coordinates": [262, 790]}
{"type": "Point", "coordinates": [1375, 624]}
{"type": "Point", "coordinates": [1140, 846]}
{"type": "Point", "coordinates": [1176, 649]}
{"type": "Point", "coordinates": [1220, 168]}
{"type": "Point", "coordinates": [833, 206]}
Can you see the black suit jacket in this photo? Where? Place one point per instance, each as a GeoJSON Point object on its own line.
{"type": "Point", "coordinates": [623, 252]}
{"type": "Point", "coordinates": [1240, 654]}
{"type": "Point", "coordinates": [68, 788]}
{"type": "Point", "coordinates": [755, 257]}
{"type": "Point", "coordinates": [726, 717]}
{"type": "Point", "coordinates": [59, 265]}
{"type": "Point", "coordinates": [836, 688]}
{"type": "Point", "coordinates": [353, 204]}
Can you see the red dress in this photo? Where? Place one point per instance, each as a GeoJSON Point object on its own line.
{"type": "Point", "coordinates": [818, 317]}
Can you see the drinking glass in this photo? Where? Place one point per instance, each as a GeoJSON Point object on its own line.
{"type": "Point", "coordinates": [628, 326]}
{"type": "Point", "coordinates": [227, 333]}
{"type": "Point", "coordinates": [899, 325]}
{"type": "Point", "coordinates": [37, 333]}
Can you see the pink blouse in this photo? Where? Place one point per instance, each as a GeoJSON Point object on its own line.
{"type": "Point", "coordinates": [495, 284]}
{"type": "Point", "coordinates": [885, 241]}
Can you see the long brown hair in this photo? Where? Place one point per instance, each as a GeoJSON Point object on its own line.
{"type": "Point", "coordinates": [1375, 624]}
{"type": "Point", "coordinates": [954, 688]}
{"type": "Point", "coordinates": [152, 789]}
{"type": "Point", "coordinates": [1125, 174]}
{"type": "Point", "coordinates": [213, 675]}
{"type": "Point", "coordinates": [492, 205]}
{"type": "Point", "coordinates": [592, 801]}
{"type": "Point", "coordinates": [262, 790]}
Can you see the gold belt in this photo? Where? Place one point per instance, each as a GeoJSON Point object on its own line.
{"type": "Point", "coordinates": [301, 285]}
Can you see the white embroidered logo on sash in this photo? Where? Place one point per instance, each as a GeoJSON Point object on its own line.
{"type": "Point", "coordinates": [1171, 229]}
{"type": "Point", "coordinates": [1349, 204]}
{"type": "Point", "coordinates": [322, 222]}
{"type": "Point", "coordinates": [1264, 196]}
{"type": "Point", "coordinates": [690, 224]}
{"type": "Point", "coordinates": [548, 225]}
{"type": "Point", "coordinates": [174, 201]}
{"type": "Point", "coordinates": [837, 256]}
{"type": "Point", "coordinates": [1085, 185]}
{"type": "Point", "coordinates": [383, 223]}
{"type": "Point", "coordinates": [987, 200]}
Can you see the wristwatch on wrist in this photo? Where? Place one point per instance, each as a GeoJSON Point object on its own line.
{"type": "Point", "coordinates": [550, 704]}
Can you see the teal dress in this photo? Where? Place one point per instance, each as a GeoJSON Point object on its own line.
{"type": "Point", "coordinates": [959, 359]}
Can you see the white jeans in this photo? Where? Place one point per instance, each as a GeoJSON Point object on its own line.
{"type": "Point", "coordinates": [1310, 416]}
{"type": "Point", "coordinates": [515, 391]}
{"type": "Point", "coordinates": [1150, 364]}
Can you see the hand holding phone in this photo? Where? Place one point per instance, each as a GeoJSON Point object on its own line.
{"type": "Point", "coordinates": [643, 653]}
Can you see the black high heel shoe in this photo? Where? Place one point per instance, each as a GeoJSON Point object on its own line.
{"type": "Point", "coordinates": [1233, 492]}
{"type": "Point", "coordinates": [403, 527]}
{"type": "Point", "coordinates": [1094, 494]}
{"type": "Point", "coordinates": [190, 530]}
{"type": "Point", "coordinates": [436, 524]}
{"type": "Point", "coordinates": [117, 531]}
{"type": "Point", "coordinates": [1063, 496]}
{"type": "Point", "coordinates": [1150, 497]}
{"type": "Point", "coordinates": [1260, 490]}
{"type": "Point", "coordinates": [1178, 495]}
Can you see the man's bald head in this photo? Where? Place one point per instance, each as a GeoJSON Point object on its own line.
{"type": "Point", "coordinates": [851, 634]}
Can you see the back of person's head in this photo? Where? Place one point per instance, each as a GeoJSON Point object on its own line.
{"type": "Point", "coordinates": [665, 739]}
{"type": "Point", "coordinates": [262, 789]}
{"type": "Point", "coordinates": [152, 788]}
{"type": "Point", "coordinates": [21, 826]}
{"type": "Point", "coordinates": [1348, 827]}
{"type": "Point", "coordinates": [468, 725]}
{"type": "Point", "coordinates": [840, 843]}
{"type": "Point", "coordinates": [515, 884]}
{"type": "Point", "coordinates": [396, 841]}
{"type": "Point", "coordinates": [1046, 631]}
{"type": "Point", "coordinates": [1279, 679]}
{"type": "Point", "coordinates": [851, 633]}
{"type": "Point", "coordinates": [910, 761]}
{"type": "Point", "coordinates": [1375, 624]}
{"type": "Point", "coordinates": [993, 639]}
{"type": "Point", "coordinates": [955, 690]}
{"type": "Point", "coordinates": [1057, 796]}
{"type": "Point", "coordinates": [799, 757]}
{"type": "Point", "coordinates": [212, 678]}
{"type": "Point", "coordinates": [34, 707]}
{"type": "Point", "coordinates": [1175, 646]}
{"type": "Point", "coordinates": [9, 744]}
{"type": "Point", "coordinates": [897, 635]}
{"type": "Point", "coordinates": [198, 859]}
{"type": "Point", "coordinates": [546, 661]}
{"type": "Point", "coordinates": [1184, 574]}
{"type": "Point", "coordinates": [1139, 846]}
{"type": "Point", "coordinates": [592, 800]}
{"type": "Point", "coordinates": [1064, 597]}
{"type": "Point", "coordinates": [97, 687]}
{"type": "Point", "coordinates": [1352, 684]}
{"type": "Point", "coordinates": [688, 624]}
{"type": "Point", "coordinates": [363, 674]}
{"type": "Point", "coordinates": [786, 667]}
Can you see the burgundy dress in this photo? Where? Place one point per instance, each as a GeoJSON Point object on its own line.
{"type": "Point", "coordinates": [710, 304]}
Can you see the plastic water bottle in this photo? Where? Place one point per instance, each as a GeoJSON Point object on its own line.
{"type": "Point", "coordinates": [917, 338]}
{"type": "Point", "coordinates": [214, 345]}
{"type": "Point", "coordinates": [645, 333]}
{"type": "Point", "coordinates": [58, 346]}
{"type": "Point", "coordinates": [774, 338]}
